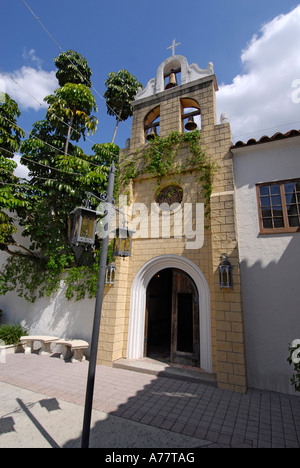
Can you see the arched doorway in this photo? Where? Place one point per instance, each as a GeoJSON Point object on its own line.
{"type": "Point", "coordinates": [172, 318]}
{"type": "Point", "coordinates": [136, 330]}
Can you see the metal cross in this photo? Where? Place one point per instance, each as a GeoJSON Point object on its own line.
{"type": "Point", "coordinates": [173, 46]}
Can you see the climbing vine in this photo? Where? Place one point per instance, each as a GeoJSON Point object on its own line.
{"type": "Point", "coordinates": [159, 160]}
{"type": "Point", "coordinates": [31, 278]}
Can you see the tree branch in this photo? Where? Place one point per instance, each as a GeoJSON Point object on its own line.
{"type": "Point", "coordinates": [10, 252]}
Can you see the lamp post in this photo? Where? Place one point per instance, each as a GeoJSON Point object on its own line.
{"type": "Point", "coordinates": [84, 226]}
{"type": "Point", "coordinates": [97, 318]}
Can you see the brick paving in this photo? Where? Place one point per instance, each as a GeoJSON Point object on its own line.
{"type": "Point", "coordinates": [257, 419]}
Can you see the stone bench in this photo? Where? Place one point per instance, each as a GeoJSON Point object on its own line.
{"type": "Point", "coordinates": [72, 349]}
{"type": "Point", "coordinates": [45, 341]}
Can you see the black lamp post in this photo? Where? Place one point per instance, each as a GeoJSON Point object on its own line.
{"type": "Point", "coordinates": [84, 233]}
{"type": "Point", "coordinates": [97, 318]}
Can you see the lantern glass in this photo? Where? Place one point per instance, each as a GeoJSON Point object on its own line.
{"type": "Point", "coordinates": [84, 226]}
{"type": "Point", "coordinates": [110, 274]}
{"type": "Point", "coordinates": [123, 242]}
{"type": "Point", "coordinates": [87, 225]}
{"type": "Point", "coordinates": [76, 226]}
{"type": "Point", "coordinates": [225, 274]}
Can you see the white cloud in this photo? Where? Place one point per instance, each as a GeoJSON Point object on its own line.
{"type": "Point", "coordinates": [32, 57]}
{"type": "Point", "coordinates": [28, 86]}
{"type": "Point", "coordinates": [20, 171]}
{"type": "Point", "coordinates": [260, 101]}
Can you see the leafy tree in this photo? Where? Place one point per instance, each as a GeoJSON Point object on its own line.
{"type": "Point", "coordinates": [62, 182]}
{"type": "Point", "coordinates": [60, 175]}
{"type": "Point", "coordinates": [72, 105]}
{"type": "Point", "coordinates": [72, 68]}
{"type": "Point", "coordinates": [53, 193]}
{"type": "Point", "coordinates": [121, 90]}
{"type": "Point", "coordinates": [11, 198]}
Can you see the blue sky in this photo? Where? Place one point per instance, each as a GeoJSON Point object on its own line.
{"type": "Point", "coordinates": [254, 46]}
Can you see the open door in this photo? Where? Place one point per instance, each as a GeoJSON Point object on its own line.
{"type": "Point", "coordinates": [185, 344]}
{"type": "Point", "coordinates": [158, 316]}
{"type": "Point", "coordinates": [172, 318]}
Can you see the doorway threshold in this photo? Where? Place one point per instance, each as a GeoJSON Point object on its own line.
{"type": "Point", "coordinates": [165, 369]}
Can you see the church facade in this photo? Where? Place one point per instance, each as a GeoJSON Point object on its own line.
{"type": "Point", "coordinates": [169, 300]}
{"type": "Point", "coordinates": [212, 280]}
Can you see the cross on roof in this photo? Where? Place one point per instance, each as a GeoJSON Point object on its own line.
{"type": "Point", "coordinates": [173, 46]}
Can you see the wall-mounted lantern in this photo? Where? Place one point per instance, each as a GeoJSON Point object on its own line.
{"type": "Point", "coordinates": [110, 273]}
{"type": "Point", "coordinates": [225, 273]}
{"type": "Point", "coordinates": [122, 242]}
{"type": "Point", "coordinates": [84, 226]}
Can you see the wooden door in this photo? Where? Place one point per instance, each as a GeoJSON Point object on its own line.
{"type": "Point", "coordinates": [185, 345]}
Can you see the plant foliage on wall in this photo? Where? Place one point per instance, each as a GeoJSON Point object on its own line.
{"type": "Point", "coordinates": [159, 160]}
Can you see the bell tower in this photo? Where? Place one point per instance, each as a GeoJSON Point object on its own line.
{"type": "Point", "coordinates": [164, 103]}
{"type": "Point", "coordinates": [204, 323]}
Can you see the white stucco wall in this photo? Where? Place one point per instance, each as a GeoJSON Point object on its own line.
{"type": "Point", "coordinates": [270, 266]}
{"type": "Point", "coordinates": [54, 316]}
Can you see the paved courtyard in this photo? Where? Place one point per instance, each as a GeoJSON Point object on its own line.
{"type": "Point", "coordinates": [133, 409]}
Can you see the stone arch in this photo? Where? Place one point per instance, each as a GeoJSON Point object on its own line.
{"type": "Point", "coordinates": [151, 121]}
{"type": "Point", "coordinates": [190, 108]}
{"type": "Point", "coordinates": [135, 347]}
{"type": "Point", "coordinates": [177, 61]}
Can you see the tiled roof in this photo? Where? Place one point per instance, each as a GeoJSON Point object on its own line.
{"type": "Point", "coordinates": [266, 139]}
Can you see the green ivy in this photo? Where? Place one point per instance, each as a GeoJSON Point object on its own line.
{"type": "Point", "coordinates": [28, 278]}
{"type": "Point", "coordinates": [159, 156]}
{"type": "Point", "coordinates": [33, 278]}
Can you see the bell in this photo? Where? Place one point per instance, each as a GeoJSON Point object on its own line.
{"type": "Point", "coordinates": [172, 81]}
{"type": "Point", "coordinates": [191, 125]}
{"type": "Point", "coordinates": [152, 134]}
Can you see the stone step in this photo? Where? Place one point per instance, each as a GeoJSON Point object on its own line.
{"type": "Point", "coordinates": [162, 369]}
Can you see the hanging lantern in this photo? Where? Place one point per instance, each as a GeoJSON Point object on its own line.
{"type": "Point", "coordinates": [225, 273]}
{"type": "Point", "coordinates": [123, 242]}
{"type": "Point", "coordinates": [84, 226]}
{"type": "Point", "coordinates": [110, 273]}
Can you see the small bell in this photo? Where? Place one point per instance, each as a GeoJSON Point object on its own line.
{"type": "Point", "coordinates": [191, 124]}
{"type": "Point", "coordinates": [172, 81]}
{"type": "Point", "coordinates": [152, 134]}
